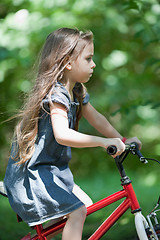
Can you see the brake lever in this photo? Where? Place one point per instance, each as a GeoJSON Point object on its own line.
{"type": "Point", "coordinates": [135, 151]}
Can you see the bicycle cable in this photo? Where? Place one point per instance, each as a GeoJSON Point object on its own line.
{"type": "Point", "coordinates": [155, 208]}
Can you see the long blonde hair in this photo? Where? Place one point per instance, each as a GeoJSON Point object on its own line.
{"type": "Point", "coordinates": [60, 45]}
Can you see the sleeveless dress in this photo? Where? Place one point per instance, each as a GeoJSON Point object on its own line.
{"type": "Point", "coordinates": [41, 189]}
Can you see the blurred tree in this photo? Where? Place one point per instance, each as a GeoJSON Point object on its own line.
{"type": "Point", "coordinates": [125, 85]}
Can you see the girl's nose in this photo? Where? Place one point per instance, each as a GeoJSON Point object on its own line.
{"type": "Point", "coordinates": [93, 64]}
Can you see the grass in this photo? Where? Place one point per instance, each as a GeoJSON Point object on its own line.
{"type": "Point", "coordinates": [97, 186]}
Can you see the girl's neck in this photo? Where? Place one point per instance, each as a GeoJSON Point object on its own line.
{"type": "Point", "coordinates": [69, 86]}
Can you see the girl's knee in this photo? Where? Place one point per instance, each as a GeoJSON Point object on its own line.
{"type": "Point", "coordinates": [79, 213]}
{"type": "Point", "coordinates": [83, 210]}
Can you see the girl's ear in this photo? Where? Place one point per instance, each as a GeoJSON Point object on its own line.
{"type": "Point", "coordinates": [67, 62]}
{"type": "Point", "coordinates": [68, 66]}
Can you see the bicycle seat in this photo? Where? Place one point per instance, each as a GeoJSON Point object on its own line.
{"type": "Point", "coordinates": [3, 191]}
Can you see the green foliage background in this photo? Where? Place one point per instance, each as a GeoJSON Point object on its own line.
{"type": "Point", "coordinates": [125, 84]}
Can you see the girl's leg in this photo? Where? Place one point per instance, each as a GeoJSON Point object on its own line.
{"type": "Point", "coordinates": [79, 194]}
{"type": "Point", "coordinates": [74, 225]}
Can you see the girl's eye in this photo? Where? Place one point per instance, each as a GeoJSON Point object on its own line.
{"type": "Point", "coordinates": [89, 59]}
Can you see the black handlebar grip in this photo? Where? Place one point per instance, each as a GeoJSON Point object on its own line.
{"type": "Point", "coordinates": [111, 150]}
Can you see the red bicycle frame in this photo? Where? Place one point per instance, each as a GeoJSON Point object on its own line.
{"type": "Point", "coordinates": [130, 201]}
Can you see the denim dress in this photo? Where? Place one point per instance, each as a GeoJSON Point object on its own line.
{"type": "Point", "coordinates": [41, 189]}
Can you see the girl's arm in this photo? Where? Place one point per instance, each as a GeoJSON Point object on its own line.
{"type": "Point", "coordinates": [101, 124]}
{"type": "Point", "coordinates": [69, 137]}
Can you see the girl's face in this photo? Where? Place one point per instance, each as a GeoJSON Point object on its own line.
{"type": "Point", "coordinates": [81, 69]}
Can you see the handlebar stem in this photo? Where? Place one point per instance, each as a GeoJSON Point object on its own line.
{"type": "Point", "coordinates": [124, 178]}
{"type": "Point", "coordinates": [130, 148]}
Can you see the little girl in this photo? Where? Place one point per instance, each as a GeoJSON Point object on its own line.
{"type": "Point", "coordinates": [38, 180]}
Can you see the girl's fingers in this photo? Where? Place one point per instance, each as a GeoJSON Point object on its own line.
{"type": "Point", "coordinates": [134, 139]}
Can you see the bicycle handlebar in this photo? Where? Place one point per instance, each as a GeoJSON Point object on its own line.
{"type": "Point", "coordinates": [111, 150]}
{"type": "Point", "coordinates": [133, 148]}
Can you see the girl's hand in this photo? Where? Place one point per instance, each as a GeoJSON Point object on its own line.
{"type": "Point", "coordinates": [115, 142]}
{"type": "Point", "coordinates": [134, 139]}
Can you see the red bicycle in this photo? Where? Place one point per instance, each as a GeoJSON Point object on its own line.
{"type": "Point", "coordinates": [146, 229]}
